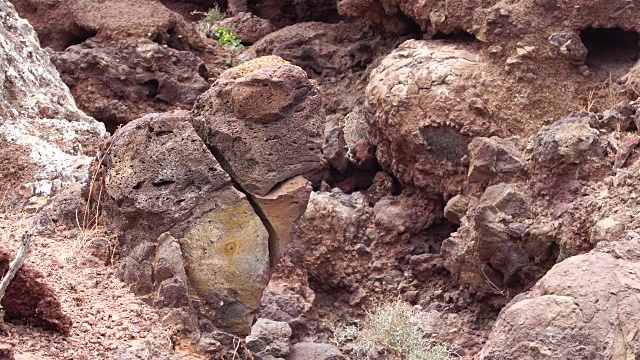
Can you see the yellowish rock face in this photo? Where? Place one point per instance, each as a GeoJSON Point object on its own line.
{"type": "Point", "coordinates": [226, 254]}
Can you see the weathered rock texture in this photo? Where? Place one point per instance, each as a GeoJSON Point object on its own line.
{"type": "Point", "coordinates": [269, 338]}
{"type": "Point", "coordinates": [340, 56]}
{"type": "Point", "coordinates": [531, 214]}
{"type": "Point", "coordinates": [45, 141]}
{"type": "Point", "coordinates": [183, 227]}
{"type": "Point", "coordinates": [262, 119]}
{"type": "Point", "coordinates": [585, 307]}
{"type": "Point", "coordinates": [123, 59]}
{"type": "Point", "coordinates": [313, 351]}
{"type": "Point", "coordinates": [29, 298]}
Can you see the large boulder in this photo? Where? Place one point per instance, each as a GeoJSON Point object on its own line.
{"type": "Point", "coordinates": [156, 78]}
{"type": "Point", "coordinates": [425, 112]}
{"type": "Point", "coordinates": [585, 307]}
{"type": "Point", "coordinates": [263, 120]}
{"type": "Point", "coordinates": [182, 226]}
{"type": "Point", "coordinates": [46, 143]}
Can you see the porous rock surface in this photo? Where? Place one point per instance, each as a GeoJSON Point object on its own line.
{"type": "Point", "coordinates": [183, 228]}
{"type": "Point", "coordinates": [422, 121]}
{"type": "Point", "coordinates": [585, 307]}
{"type": "Point", "coordinates": [46, 143]}
{"type": "Point", "coordinates": [269, 338]}
{"type": "Point", "coordinates": [263, 121]}
{"type": "Point", "coordinates": [339, 55]}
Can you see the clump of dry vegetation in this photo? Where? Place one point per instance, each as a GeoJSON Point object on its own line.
{"type": "Point", "coordinates": [208, 19]}
{"type": "Point", "coordinates": [391, 327]}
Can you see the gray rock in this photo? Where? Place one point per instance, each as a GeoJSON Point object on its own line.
{"type": "Point", "coordinates": [569, 46]}
{"type": "Point", "coordinates": [492, 156]}
{"type": "Point", "coordinates": [456, 208]}
{"type": "Point", "coordinates": [269, 338]}
{"type": "Point", "coordinates": [315, 351]}
{"type": "Point", "coordinates": [334, 148]}
{"type": "Point", "coordinates": [607, 229]}
{"type": "Point", "coordinates": [568, 141]}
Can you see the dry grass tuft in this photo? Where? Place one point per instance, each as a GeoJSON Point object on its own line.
{"type": "Point", "coordinates": [392, 327]}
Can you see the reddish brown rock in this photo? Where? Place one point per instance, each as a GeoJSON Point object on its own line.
{"type": "Point", "coordinates": [283, 207]}
{"type": "Point", "coordinates": [489, 157]}
{"type": "Point", "coordinates": [29, 298]}
{"type": "Point", "coordinates": [585, 307]}
{"type": "Point", "coordinates": [262, 119]}
{"type": "Point", "coordinates": [339, 55]}
{"type": "Point", "coordinates": [123, 59]}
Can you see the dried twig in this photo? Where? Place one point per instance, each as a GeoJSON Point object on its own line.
{"type": "Point", "coordinates": [15, 266]}
{"type": "Point", "coordinates": [591, 100]}
{"type": "Point", "coordinates": [495, 287]}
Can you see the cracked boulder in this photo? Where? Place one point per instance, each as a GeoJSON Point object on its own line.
{"type": "Point", "coordinates": [586, 307]}
{"type": "Point", "coordinates": [263, 120]}
{"type": "Point", "coordinates": [182, 226]}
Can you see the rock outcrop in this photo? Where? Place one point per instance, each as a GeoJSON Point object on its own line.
{"type": "Point", "coordinates": [585, 307]}
{"type": "Point", "coordinates": [122, 59]}
{"type": "Point", "coordinates": [530, 215]}
{"type": "Point", "coordinates": [183, 227]}
{"type": "Point", "coordinates": [46, 143]}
